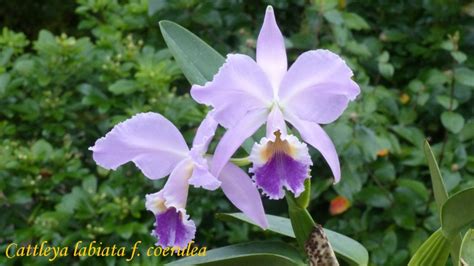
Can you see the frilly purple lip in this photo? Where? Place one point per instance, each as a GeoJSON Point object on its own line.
{"type": "Point", "coordinates": [173, 228]}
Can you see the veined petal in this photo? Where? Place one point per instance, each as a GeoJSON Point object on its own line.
{"type": "Point", "coordinates": [149, 140]}
{"type": "Point", "coordinates": [319, 79]}
{"type": "Point", "coordinates": [240, 190]}
{"type": "Point", "coordinates": [313, 134]}
{"type": "Point", "coordinates": [280, 162]}
{"type": "Point", "coordinates": [235, 136]}
{"type": "Point", "coordinates": [276, 122]}
{"type": "Point", "coordinates": [173, 228]}
{"type": "Point", "coordinates": [271, 53]}
{"type": "Point", "coordinates": [238, 87]}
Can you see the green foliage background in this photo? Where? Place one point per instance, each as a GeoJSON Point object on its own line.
{"type": "Point", "coordinates": [70, 71]}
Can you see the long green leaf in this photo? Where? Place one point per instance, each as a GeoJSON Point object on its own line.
{"type": "Point", "coordinates": [439, 189]}
{"type": "Point", "coordinates": [198, 61]}
{"type": "Point", "coordinates": [251, 254]}
{"type": "Point", "coordinates": [433, 252]}
{"type": "Point", "coordinates": [441, 195]}
{"type": "Point", "coordinates": [345, 248]}
{"type": "Point", "coordinates": [457, 212]}
{"type": "Point", "coordinates": [467, 248]}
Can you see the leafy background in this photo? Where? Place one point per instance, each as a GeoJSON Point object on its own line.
{"type": "Point", "coordinates": [71, 70]}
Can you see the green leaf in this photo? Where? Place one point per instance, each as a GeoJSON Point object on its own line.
{"type": "Point", "coordinates": [276, 224]}
{"type": "Point", "coordinates": [460, 57]}
{"type": "Point", "coordinates": [434, 251]}
{"type": "Point", "coordinates": [4, 80]}
{"type": "Point", "coordinates": [457, 212]}
{"type": "Point", "coordinates": [123, 86]}
{"type": "Point", "coordinates": [198, 61]}
{"type": "Point", "coordinates": [440, 195]}
{"type": "Point", "coordinates": [334, 17]}
{"type": "Point", "coordinates": [386, 70]}
{"type": "Point", "coordinates": [41, 149]}
{"type": "Point", "coordinates": [465, 76]}
{"type": "Point", "coordinates": [416, 186]}
{"type": "Point", "coordinates": [155, 6]}
{"type": "Point", "coordinates": [375, 197]}
{"type": "Point", "coordinates": [467, 248]}
{"type": "Point", "coordinates": [447, 102]}
{"type": "Point", "coordinates": [452, 121]}
{"type": "Point", "coordinates": [439, 189]}
{"type": "Point", "coordinates": [89, 184]}
{"type": "Point", "coordinates": [411, 134]}
{"type": "Point", "coordinates": [251, 254]}
{"type": "Point", "coordinates": [354, 21]}
{"type": "Point", "coordinates": [468, 132]}
{"type": "Point", "coordinates": [345, 248]}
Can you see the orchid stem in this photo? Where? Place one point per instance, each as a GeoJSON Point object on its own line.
{"type": "Point", "coordinates": [240, 161]}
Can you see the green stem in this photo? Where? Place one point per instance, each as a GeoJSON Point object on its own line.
{"type": "Point", "coordinates": [301, 221]}
{"type": "Point", "coordinates": [241, 161]}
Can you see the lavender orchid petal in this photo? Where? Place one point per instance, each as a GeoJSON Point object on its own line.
{"type": "Point", "coordinates": [322, 80]}
{"type": "Point", "coordinates": [240, 190]}
{"type": "Point", "coordinates": [325, 106]}
{"type": "Point", "coordinates": [201, 176]}
{"type": "Point", "coordinates": [173, 226]}
{"type": "Point", "coordinates": [238, 87]}
{"type": "Point", "coordinates": [235, 136]}
{"type": "Point", "coordinates": [205, 131]}
{"type": "Point", "coordinates": [152, 142]}
{"type": "Point", "coordinates": [271, 53]}
{"type": "Point", "coordinates": [175, 191]}
{"type": "Point", "coordinates": [313, 134]}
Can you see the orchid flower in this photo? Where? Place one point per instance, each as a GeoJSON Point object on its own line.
{"type": "Point", "coordinates": [158, 149]}
{"type": "Point", "coordinates": [245, 94]}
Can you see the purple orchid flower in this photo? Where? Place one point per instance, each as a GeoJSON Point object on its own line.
{"type": "Point", "coordinates": [245, 94]}
{"type": "Point", "coordinates": [158, 149]}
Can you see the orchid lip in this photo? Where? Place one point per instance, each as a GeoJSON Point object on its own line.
{"type": "Point", "coordinates": [173, 228]}
{"type": "Point", "coordinates": [278, 163]}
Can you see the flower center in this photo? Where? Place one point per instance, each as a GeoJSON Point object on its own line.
{"type": "Point", "coordinates": [277, 146]}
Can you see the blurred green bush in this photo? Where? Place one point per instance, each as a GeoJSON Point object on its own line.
{"type": "Point", "coordinates": [60, 92]}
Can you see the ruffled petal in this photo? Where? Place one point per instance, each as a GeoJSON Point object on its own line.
{"type": "Point", "coordinates": [280, 163]}
{"type": "Point", "coordinates": [271, 53]}
{"type": "Point", "coordinates": [238, 87]}
{"type": "Point", "coordinates": [235, 136]}
{"type": "Point", "coordinates": [240, 190]}
{"type": "Point", "coordinates": [149, 140]}
{"type": "Point", "coordinates": [201, 176]}
{"type": "Point", "coordinates": [313, 134]}
{"type": "Point", "coordinates": [321, 80]}
{"type": "Point", "coordinates": [173, 228]}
